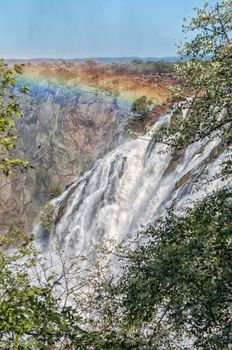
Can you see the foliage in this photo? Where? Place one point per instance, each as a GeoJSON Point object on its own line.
{"type": "Point", "coordinates": [46, 218]}
{"type": "Point", "coordinates": [29, 317]}
{"type": "Point", "coordinates": [9, 110]}
{"type": "Point", "coordinates": [42, 304]}
{"type": "Point", "coordinates": [55, 191]}
{"type": "Point", "coordinates": [209, 82]}
{"type": "Point", "coordinates": [141, 107]}
{"type": "Point", "coordinates": [15, 230]}
{"type": "Point", "coordinates": [177, 286]}
{"type": "Point", "coordinates": [142, 67]}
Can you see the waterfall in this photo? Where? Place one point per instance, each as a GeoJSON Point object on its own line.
{"type": "Point", "coordinates": [129, 189]}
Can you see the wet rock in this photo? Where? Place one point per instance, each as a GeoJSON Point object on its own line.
{"type": "Point", "coordinates": [184, 179]}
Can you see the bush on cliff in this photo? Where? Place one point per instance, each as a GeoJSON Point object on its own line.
{"type": "Point", "coordinates": [141, 107]}
{"type": "Point", "coordinates": [9, 110]}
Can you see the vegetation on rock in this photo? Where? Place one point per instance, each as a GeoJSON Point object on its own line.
{"type": "Point", "coordinates": [210, 82]}
{"type": "Point", "coordinates": [141, 107]}
{"type": "Point", "coordinates": [46, 218]}
{"type": "Point", "coordinates": [9, 110]}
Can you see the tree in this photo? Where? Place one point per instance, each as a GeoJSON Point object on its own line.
{"type": "Point", "coordinates": [177, 286]}
{"type": "Point", "coordinates": [34, 313]}
{"type": "Point", "coordinates": [9, 110]}
{"type": "Point", "coordinates": [141, 107]}
{"type": "Point", "coordinates": [207, 74]}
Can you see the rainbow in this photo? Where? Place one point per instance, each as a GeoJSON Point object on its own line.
{"type": "Point", "coordinates": [40, 83]}
{"type": "Point", "coordinates": [101, 82]}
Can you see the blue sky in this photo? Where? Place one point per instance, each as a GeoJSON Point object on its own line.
{"type": "Point", "coordinates": [91, 28]}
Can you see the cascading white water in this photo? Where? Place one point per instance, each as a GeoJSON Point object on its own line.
{"type": "Point", "coordinates": [126, 190]}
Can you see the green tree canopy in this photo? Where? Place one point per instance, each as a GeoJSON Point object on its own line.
{"type": "Point", "coordinates": [209, 82]}
{"type": "Point", "coordinates": [32, 314]}
{"type": "Point", "coordinates": [178, 284]}
{"type": "Point", "coordinates": [141, 107]}
{"type": "Point", "coordinates": [9, 110]}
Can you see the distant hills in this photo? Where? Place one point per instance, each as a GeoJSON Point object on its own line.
{"type": "Point", "coordinates": [109, 60]}
{"type": "Point", "coordinates": [103, 60]}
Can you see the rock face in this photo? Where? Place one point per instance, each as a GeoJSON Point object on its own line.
{"type": "Point", "coordinates": [60, 134]}
{"type": "Point", "coordinates": [64, 128]}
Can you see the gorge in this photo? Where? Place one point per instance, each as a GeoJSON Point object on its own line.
{"type": "Point", "coordinates": [72, 115]}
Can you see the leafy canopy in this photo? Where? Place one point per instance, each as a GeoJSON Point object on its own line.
{"type": "Point", "coordinates": [179, 282]}
{"type": "Point", "coordinates": [9, 110]}
{"type": "Point", "coordinates": [141, 107]}
{"type": "Point", "coordinates": [209, 81]}
{"type": "Point", "coordinates": [32, 315]}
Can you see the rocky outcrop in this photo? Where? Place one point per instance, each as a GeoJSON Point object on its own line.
{"type": "Point", "coordinates": [184, 179]}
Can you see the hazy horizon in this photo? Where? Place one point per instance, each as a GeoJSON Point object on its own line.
{"type": "Point", "coordinates": [93, 57]}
